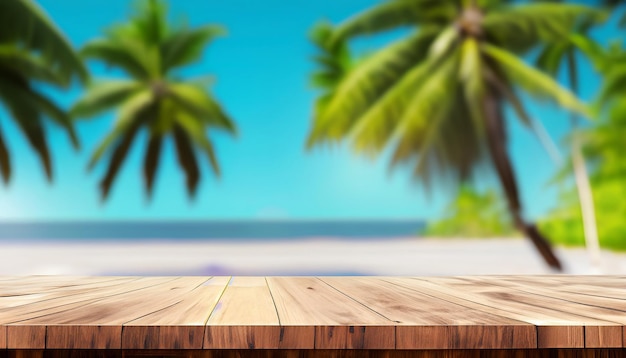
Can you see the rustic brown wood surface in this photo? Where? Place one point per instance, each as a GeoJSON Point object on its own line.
{"type": "Point", "coordinates": [320, 353]}
{"type": "Point", "coordinates": [325, 314]}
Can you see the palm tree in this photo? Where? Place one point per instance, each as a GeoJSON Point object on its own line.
{"type": "Point", "coordinates": [438, 95]}
{"type": "Point", "coordinates": [603, 147]}
{"type": "Point", "coordinates": [604, 143]}
{"type": "Point", "coordinates": [32, 50]}
{"type": "Point", "coordinates": [154, 98]}
{"type": "Point", "coordinates": [552, 57]}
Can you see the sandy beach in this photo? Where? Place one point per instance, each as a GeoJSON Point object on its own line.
{"type": "Point", "coordinates": [409, 256]}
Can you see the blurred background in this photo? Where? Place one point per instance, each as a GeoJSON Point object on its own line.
{"type": "Point", "coordinates": [370, 137]}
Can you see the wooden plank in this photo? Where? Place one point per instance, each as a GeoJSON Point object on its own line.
{"type": "Point", "coordinates": [326, 317]}
{"type": "Point", "coordinates": [52, 296]}
{"type": "Point", "coordinates": [83, 336]}
{"type": "Point", "coordinates": [344, 353]}
{"type": "Point", "coordinates": [44, 284]}
{"type": "Point", "coordinates": [106, 309]}
{"type": "Point", "coordinates": [476, 302]}
{"type": "Point", "coordinates": [26, 337]}
{"type": "Point", "coordinates": [601, 337]}
{"type": "Point", "coordinates": [426, 322]}
{"type": "Point", "coordinates": [329, 314]}
{"type": "Point", "coordinates": [14, 315]}
{"type": "Point", "coordinates": [564, 336]}
{"type": "Point", "coordinates": [244, 318]}
{"type": "Point", "coordinates": [179, 326]}
{"type": "Point", "coordinates": [3, 337]}
{"type": "Point", "coordinates": [111, 311]}
{"type": "Point", "coordinates": [607, 308]}
{"type": "Point", "coordinates": [68, 299]}
{"type": "Point", "coordinates": [559, 324]}
{"type": "Point", "coordinates": [606, 287]}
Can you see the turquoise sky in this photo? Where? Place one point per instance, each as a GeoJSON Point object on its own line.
{"type": "Point", "coordinates": [262, 69]}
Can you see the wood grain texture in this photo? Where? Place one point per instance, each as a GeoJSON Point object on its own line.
{"type": "Point", "coordinates": [179, 325]}
{"type": "Point", "coordinates": [68, 300]}
{"type": "Point", "coordinates": [560, 337]}
{"type": "Point", "coordinates": [423, 320]}
{"type": "Point", "coordinates": [603, 337]}
{"type": "Point", "coordinates": [3, 337]}
{"type": "Point", "coordinates": [304, 316]}
{"type": "Point", "coordinates": [360, 337]}
{"type": "Point", "coordinates": [122, 307]}
{"type": "Point", "coordinates": [42, 286]}
{"type": "Point", "coordinates": [462, 337]}
{"type": "Point", "coordinates": [542, 311]}
{"type": "Point", "coordinates": [84, 336]}
{"type": "Point", "coordinates": [345, 353]}
{"type": "Point", "coordinates": [112, 310]}
{"type": "Point", "coordinates": [244, 317]}
{"type": "Point", "coordinates": [162, 337]}
{"type": "Point", "coordinates": [604, 308]}
{"type": "Point", "coordinates": [308, 299]}
{"type": "Point", "coordinates": [26, 337]}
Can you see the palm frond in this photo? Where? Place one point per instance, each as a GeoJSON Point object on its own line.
{"type": "Point", "coordinates": [5, 161]}
{"type": "Point", "coordinates": [196, 132]}
{"type": "Point", "coordinates": [130, 116]}
{"type": "Point", "coordinates": [187, 159]}
{"type": "Point", "coordinates": [614, 85]}
{"type": "Point", "coordinates": [34, 132]}
{"type": "Point", "coordinates": [197, 101]}
{"type": "Point", "coordinates": [28, 119]}
{"type": "Point", "coordinates": [333, 61]}
{"type": "Point", "coordinates": [437, 130]}
{"type": "Point", "coordinates": [389, 114]}
{"type": "Point", "coordinates": [24, 64]}
{"type": "Point", "coordinates": [551, 56]}
{"type": "Point", "coordinates": [24, 22]}
{"type": "Point", "coordinates": [534, 81]}
{"type": "Point", "coordinates": [103, 96]}
{"type": "Point", "coordinates": [367, 82]}
{"type": "Point", "coordinates": [127, 54]}
{"type": "Point", "coordinates": [151, 161]}
{"type": "Point", "coordinates": [185, 46]}
{"type": "Point", "coordinates": [590, 48]}
{"type": "Point", "coordinates": [472, 76]}
{"type": "Point", "coordinates": [517, 28]}
{"type": "Point", "coordinates": [396, 13]}
{"type": "Point", "coordinates": [118, 156]}
{"type": "Point", "coordinates": [24, 96]}
{"type": "Point", "coordinates": [150, 23]}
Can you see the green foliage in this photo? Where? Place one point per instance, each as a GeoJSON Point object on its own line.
{"type": "Point", "coordinates": [25, 24]}
{"type": "Point", "coordinates": [564, 224]}
{"type": "Point", "coordinates": [473, 214]}
{"type": "Point", "coordinates": [33, 50]}
{"type": "Point", "coordinates": [605, 150]}
{"type": "Point", "coordinates": [436, 97]}
{"type": "Point", "coordinates": [154, 99]}
{"type": "Point", "coordinates": [426, 94]}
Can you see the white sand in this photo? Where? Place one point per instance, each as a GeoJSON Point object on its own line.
{"type": "Point", "coordinates": [409, 256]}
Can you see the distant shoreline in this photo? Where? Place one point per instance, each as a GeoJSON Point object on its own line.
{"type": "Point", "coordinates": [210, 230]}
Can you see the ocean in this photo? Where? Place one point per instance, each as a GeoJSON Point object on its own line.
{"type": "Point", "coordinates": [210, 230]}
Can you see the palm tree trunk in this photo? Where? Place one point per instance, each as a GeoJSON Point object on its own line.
{"type": "Point", "coordinates": [585, 195]}
{"type": "Point", "coordinates": [496, 142]}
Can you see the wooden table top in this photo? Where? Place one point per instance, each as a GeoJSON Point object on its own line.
{"type": "Point", "coordinates": [484, 312]}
